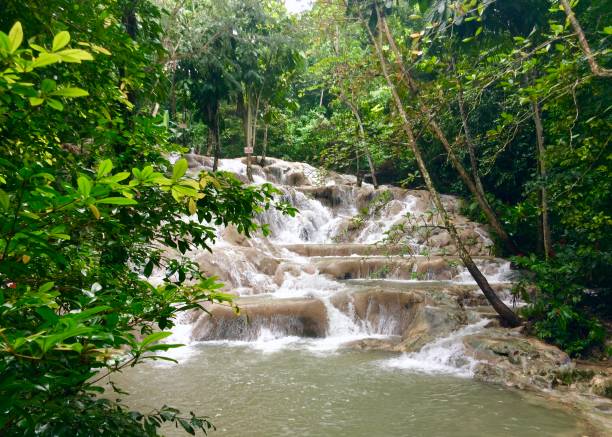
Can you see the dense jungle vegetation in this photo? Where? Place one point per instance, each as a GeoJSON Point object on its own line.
{"type": "Point", "coordinates": [505, 103]}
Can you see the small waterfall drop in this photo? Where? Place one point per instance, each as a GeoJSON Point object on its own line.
{"type": "Point", "coordinates": [444, 355]}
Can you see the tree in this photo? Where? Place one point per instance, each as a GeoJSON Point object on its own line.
{"type": "Point", "coordinates": [505, 313]}
{"type": "Point", "coordinates": [87, 197]}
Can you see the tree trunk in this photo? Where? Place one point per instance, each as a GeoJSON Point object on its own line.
{"type": "Point", "coordinates": [505, 313]}
{"type": "Point", "coordinates": [248, 132]}
{"type": "Point", "coordinates": [537, 120]}
{"type": "Point", "coordinates": [463, 174]}
{"type": "Point", "coordinates": [362, 137]}
{"type": "Point", "coordinates": [210, 142]}
{"type": "Point", "coordinates": [264, 145]}
{"type": "Point", "coordinates": [173, 94]}
{"type": "Point", "coordinates": [249, 109]}
{"type": "Point", "coordinates": [468, 139]}
{"type": "Point", "coordinates": [596, 69]}
{"type": "Point", "coordinates": [217, 138]}
{"type": "Point", "coordinates": [212, 112]}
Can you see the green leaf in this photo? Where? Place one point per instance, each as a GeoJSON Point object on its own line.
{"type": "Point", "coordinates": [104, 168]}
{"type": "Point", "coordinates": [55, 104]}
{"type": "Point", "coordinates": [162, 347]}
{"type": "Point", "coordinates": [15, 37]}
{"type": "Point", "coordinates": [89, 312]}
{"type": "Point", "coordinates": [36, 101]}
{"type": "Point", "coordinates": [184, 191]}
{"type": "Point", "coordinates": [180, 168]}
{"type": "Point", "coordinates": [4, 43]}
{"type": "Point", "coordinates": [117, 201]}
{"type": "Point", "coordinates": [148, 270]}
{"type": "Point", "coordinates": [116, 177]}
{"type": "Point", "coordinates": [84, 185]}
{"type": "Point", "coordinates": [45, 59]}
{"type": "Point", "coordinates": [4, 200]}
{"type": "Point", "coordinates": [74, 55]}
{"type": "Point", "coordinates": [47, 85]}
{"type": "Point", "coordinates": [46, 287]}
{"type": "Point", "coordinates": [60, 40]}
{"type": "Point", "coordinates": [95, 211]}
{"type": "Point", "coordinates": [608, 30]}
{"type": "Point", "coordinates": [71, 92]}
{"type": "Point", "coordinates": [156, 336]}
{"type": "Point", "coordinates": [38, 48]}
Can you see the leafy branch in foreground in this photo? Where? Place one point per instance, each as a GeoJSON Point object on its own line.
{"type": "Point", "coordinates": [81, 230]}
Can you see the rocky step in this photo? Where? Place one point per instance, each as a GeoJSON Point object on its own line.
{"type": "Point", "coordinates": [405, 268]}
{"type": "Point", "coordinates": [468, 295]}
{"type": "Point", "coordinates": [415, 316]}
{"type": "Point", "coordinates": [346, 249]}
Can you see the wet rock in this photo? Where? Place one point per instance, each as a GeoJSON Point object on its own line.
{"type": "Point", "coordinates": [440, 269]}
{"type": "Point", "coordinates": [345, 249]}
{"type": "Point", "coordinates": [196, 162]}
{"type": "Point", "coordinates": [356, 268]}
{"type": "Point", "coordinates": [231, 235]}
{"type": "Point", "coordinates": [394, 208]}
{"type": "Point", "coordinates": [373, 344]}
{"type": "Point", "coordinates": [364, 197]}
{"type": "Point", "coordinates": [440, 240]}
{"type": "Point", "coordinates": [283, 269]}
{"type": "Point", "coordinates": [331, 195]}
{"type": "Point", "coordinates": [601, 385]}
{"type": "Point", "coordinates": [429, 323]}
{"type": "Point", "coordinates": [380, 311]}
{"type": "Point", "coordinates": [506, 357]}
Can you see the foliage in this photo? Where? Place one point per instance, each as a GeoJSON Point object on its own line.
{"type": "Point", "coordinates": [562, 310]}
{"type": "Point", "coordinates": [80, 234]}
{"type": "Point", "coordinates": [498, 58]}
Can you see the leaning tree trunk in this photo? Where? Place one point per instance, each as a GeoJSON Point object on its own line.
{"type": "Point", "coordinates": [463, 174]}
{"type": "Point", "coordinates": [596, 69]}
{"type": "Point", "coordinates": [502, 309]}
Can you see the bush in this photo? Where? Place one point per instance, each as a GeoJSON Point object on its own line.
{"type": "Point", "coordinates": [560, 308]}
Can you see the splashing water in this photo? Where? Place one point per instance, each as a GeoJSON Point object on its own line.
{"type": "Point", "coordinates": [443, 356]}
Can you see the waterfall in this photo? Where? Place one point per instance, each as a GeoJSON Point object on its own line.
{"type": "Point", "coordinates": [291, 287]}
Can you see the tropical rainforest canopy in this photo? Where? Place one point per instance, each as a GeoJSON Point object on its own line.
{"type": "Point", "coordinates": [504, 103]}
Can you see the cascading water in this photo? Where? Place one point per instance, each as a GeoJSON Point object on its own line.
{"type": "Point", "coordinates": [293, 295]}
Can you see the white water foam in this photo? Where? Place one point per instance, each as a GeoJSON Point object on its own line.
{"type": "Point", "coordinates": [314, 222]}
{"type": "Point", "coordinates": [443, 356]}
{"type": "Point", "coordinates": [375, 230]}
{"type": "Point", "coordinates": [307, 285]}
{"type": "Point", "coordinates": [181, 334]}
{"type": "Point", "coordinates": [502, 274]}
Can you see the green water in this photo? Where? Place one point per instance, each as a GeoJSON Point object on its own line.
{"type": "Point", "coordinates": [296, 392]}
